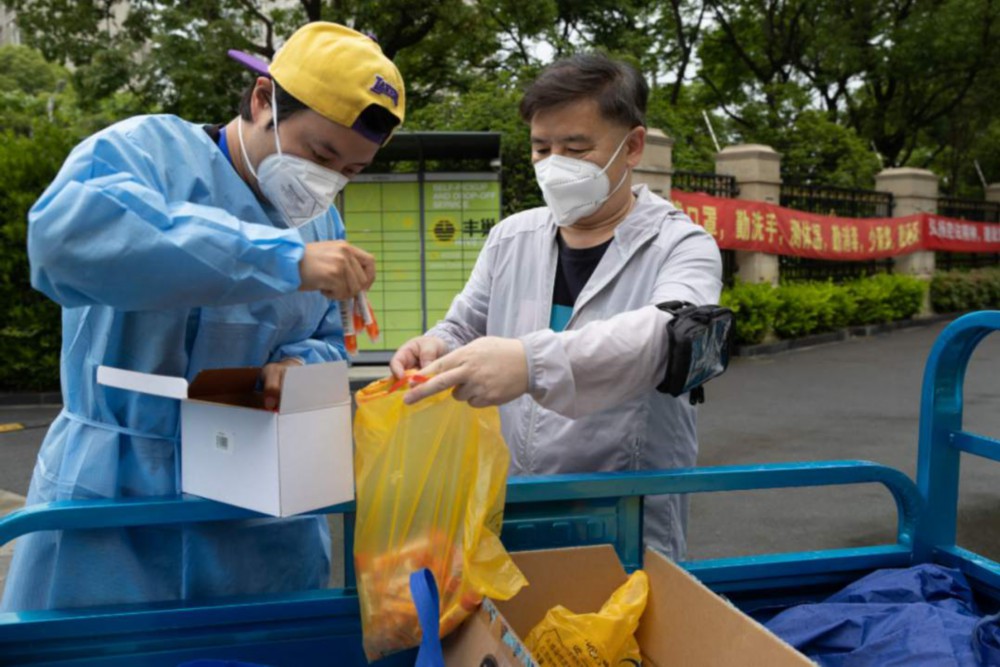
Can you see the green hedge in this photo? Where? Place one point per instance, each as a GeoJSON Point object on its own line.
{"type": "Point", "coordinates": [754, 306]}
{"type": "Point", "coordinates": [797, 309]}
{"type": "Point", "coordinates": [960, 291]}
{"type": "Point", "coordinates": [30, 334]}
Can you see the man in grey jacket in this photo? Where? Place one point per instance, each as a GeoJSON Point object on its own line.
{"type": "Point", "coordinates": [558, 324]}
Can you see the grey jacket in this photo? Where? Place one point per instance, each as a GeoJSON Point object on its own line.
{"type": "Point", "coordinates": [592, 403]}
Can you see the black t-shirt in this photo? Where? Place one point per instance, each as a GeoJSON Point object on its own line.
{"type": "Point", "coordinates": [576, 265]}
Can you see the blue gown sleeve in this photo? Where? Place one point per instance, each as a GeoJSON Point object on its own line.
{"type": "Point", "coordinates": [327, 344]}
{"type": "Point", "coordinates": [104, 233]}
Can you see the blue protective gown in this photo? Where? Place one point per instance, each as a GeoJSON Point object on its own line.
{"type": "Point", "coordinates": [164, 262]}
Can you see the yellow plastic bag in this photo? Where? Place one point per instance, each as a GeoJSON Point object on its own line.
{"type": "Point", "coordinates": [601, 639]}
{"type": "Point", "coordinates": [431, 481]}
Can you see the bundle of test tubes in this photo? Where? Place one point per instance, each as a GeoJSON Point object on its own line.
{"type": "Point", "coordinates": [356, 315]}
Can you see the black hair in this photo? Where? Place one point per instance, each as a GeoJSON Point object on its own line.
{"type": "Point", "coordinates": [377, 120]}
{"type": "Point", "coordinates": [618, 88]}
{"type": "Point", "coordinates": [286, 104]}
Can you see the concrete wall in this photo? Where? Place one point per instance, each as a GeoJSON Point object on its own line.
{"type": "Point", "coordinates": [914, 191]}
{"type": "Point", "coordinates": [657, 163]}
{"type": "Point", "coordinates": [757, 169]}
{"type": "Point", "coordinates": [9, 33]}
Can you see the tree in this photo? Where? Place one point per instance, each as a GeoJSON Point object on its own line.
{"type": "Point", "coordinates": [913, 81]}
{"type": "Point", "coordinates": [969, 134]}
{"type": "Point", "coordinates": [660, 40]}
{"type": "Point", "coordinates": [26, 71]}
{"type": "Point", "coordinates": [890, 70]}
{"type": "Point", "coordinates": [170, 54]}
{"type": "Point", "coordinates": [491, 106]}
{"type": "Point", "coordinates": [816, 150]}
{"type": "Point", "coordinates": [683, 121]}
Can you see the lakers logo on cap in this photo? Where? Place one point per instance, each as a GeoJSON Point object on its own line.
{"type": "Point", "coordinates": [383, 87]}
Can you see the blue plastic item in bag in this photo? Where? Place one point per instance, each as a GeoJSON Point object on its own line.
{"type": "Point", "coordinates": [424, 590]}
{"type": "Point", "coordinates": [220, 663]}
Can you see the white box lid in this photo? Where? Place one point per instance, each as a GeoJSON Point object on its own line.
{"type": "Point", "coordinates": [305, 388]}
{"type": "Point", "coordinates": [144, 383]}
{"type": "Point", "coordinates": [315, 386]}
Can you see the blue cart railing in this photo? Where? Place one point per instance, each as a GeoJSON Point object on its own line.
{"type": "Point", "coordinates": [311, 628]}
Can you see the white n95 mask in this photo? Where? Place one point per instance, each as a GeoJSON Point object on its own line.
{"type": "Point", "coordinates": [299, 189]}
{"type": "Point", "coordinates": [574, 189]}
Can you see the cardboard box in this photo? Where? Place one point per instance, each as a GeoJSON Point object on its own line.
{"type": "Point", "coordinates": [684, 625]}
{"type": "Point", "coordinates": [296, 459]}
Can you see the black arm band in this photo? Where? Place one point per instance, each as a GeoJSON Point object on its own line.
{"type": "Point", "coordinates": [699, 340]}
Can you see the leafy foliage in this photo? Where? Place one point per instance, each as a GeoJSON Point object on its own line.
{"type": "Point", "coordinates": [886, 298]}
{"type": "Point", "coordinates": [960, 291]}
{"type": "Point", "coordinates": [30, 333]}
{"type": "Point", "coordinates": [754, 307]}
{"type": "Point", "coordinates": [823, 83]}
{"type": "Point", "coordinates": [797, 309]}
{"type": "Point", "coordinates": [907, 78]}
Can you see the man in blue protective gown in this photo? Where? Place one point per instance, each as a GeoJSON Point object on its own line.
{"type": "Point", "coordinates": [175, 247]}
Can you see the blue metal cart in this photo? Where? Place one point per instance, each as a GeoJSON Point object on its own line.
{"type": "Point", "coordinates": [323, 627]}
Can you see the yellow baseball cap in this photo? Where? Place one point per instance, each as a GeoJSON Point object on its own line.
{"type": "Point", "coordinates": [337, 72]}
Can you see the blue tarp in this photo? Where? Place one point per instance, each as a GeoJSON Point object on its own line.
{"type": "Point", "coordinates": [924, 616]}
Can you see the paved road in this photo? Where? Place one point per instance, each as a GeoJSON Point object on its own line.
{"type": "Point", "coordinates": [857, 399]}
{"type": "Point", "coordinates": [18, 449]}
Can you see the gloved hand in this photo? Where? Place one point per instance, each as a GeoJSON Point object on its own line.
{"type": "Point", "coordinates": [272, 377]}
{"type": "Point", "coordinates": [487, 371]}
{"type": "Point", "coordinates": [337, 269]}
{"type": "Point", "coordinates": [417, 353]}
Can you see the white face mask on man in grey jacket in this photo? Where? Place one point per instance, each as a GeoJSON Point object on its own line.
{"type": "Point", "coordinates": [574, 188]}
{"type": "Point", "coordinates": [581, 398]}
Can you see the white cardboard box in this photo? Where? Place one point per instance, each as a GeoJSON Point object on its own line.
{"type": "Point", "coordinates": [293, 460]}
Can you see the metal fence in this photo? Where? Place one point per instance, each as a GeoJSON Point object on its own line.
{"type": "Point", "coordinates": [985, 212]}
{"type": "Point", "coordinates": [830, 200]}
{"type": "Point", "coordinates": [716, 185]}
{"type": "Point", "coordinates": [969, 209]}
{"type": "Point", "coordinates": [948, 261]}
{"type": "Point", "coordinates": [845, 202]}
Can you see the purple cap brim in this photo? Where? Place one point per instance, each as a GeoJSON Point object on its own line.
{"type": "Point", "coordinates": [252, 63]}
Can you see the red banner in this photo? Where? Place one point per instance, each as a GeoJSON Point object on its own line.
{"type": "Point", "coordinates": [960, 235]}
{"type": "Point", "coordinates": [761, 227]}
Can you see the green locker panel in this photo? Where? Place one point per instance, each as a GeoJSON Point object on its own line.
{"type": "Point", "coordinates": [383, 216]}
{"type": "Point", "coordinates": [363, 198]}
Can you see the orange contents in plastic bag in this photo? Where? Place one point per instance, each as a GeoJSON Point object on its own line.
{"type": "Point", "coordinates": [431, 482]}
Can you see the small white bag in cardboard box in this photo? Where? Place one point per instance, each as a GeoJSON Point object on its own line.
{"type": "Point", "coordinates": [293, 460]}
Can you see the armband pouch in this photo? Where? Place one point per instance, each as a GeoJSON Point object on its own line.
{"type": "Point", "coordinates": [699, 340]}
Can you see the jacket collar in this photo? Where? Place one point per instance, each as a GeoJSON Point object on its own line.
{"type": "Point", "coordinates": [643, 222]}
{"type": "Point", "coordinates": [639, 227]}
